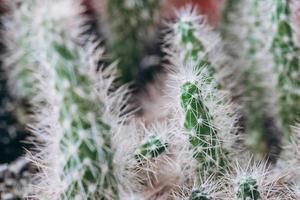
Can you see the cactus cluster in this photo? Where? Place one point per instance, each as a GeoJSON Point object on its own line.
{"type": "Point", "coordinates": [210, 127]}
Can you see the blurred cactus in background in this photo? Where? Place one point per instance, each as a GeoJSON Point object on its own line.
{"type": "Point", "coordinates": [285, 50]}
{"type": "Point", "coordinates": [138, 100]}
{"type": "Point", "coordinates": [250, 77]}
{"type": "Point", "coordinates": [129, 26]}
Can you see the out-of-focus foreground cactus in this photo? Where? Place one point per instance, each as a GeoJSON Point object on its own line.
{"type": "Point", "coordinates": [73, 144]}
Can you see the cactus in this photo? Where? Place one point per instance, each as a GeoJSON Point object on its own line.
{"type": "Point", "coordinates": [93, 140]}
{"type": "Point", "coordinates": [192, 46]}
{"type": "Point", "coordinates": [199, 195]}
{"type": "Point", "coordinates": [50, 71]}
{"type": "Point", "coordinates": [151, 148]}
{"type": "Point", "coordinates": [251, 61]}
{"type": "Point", "coordinates": [254, 181]}
{"type": "Point", "coordinates": [129, 24]}
{"type": "Point", "coordinates": [248, 189]}
{"type": "Point", "coordinates": [203, 135]}
{"type": "Point", "coordinates": [285, 52]}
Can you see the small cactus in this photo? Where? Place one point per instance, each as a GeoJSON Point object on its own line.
{"type": "Point", "coordinates": [199, 194]}
{"type": "Point", "coordinates": [191, 47]}
{"type": "Point", "coordinates": [151, 148]}
{"type": "Point", "coordinates": [248, 189]}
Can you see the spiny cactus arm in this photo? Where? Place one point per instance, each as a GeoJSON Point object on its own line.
{"type": "Point", "coordinates": [189, 40]}
{"type": "Point", "coordinates": [151, 148]}
{"type": "Point", "coordinates": [77, 155]}
{"type": "Point", "coordinates": [259, 86]}
{"type": "Point", "coordinates": [251, 78]}
{"type": "Point", "coordinates": [206, 190]}
{"type": "Point", "coordinates": [153, 160]}
{"type": "Point", "coordinates": [129, 24]}
{"type": "Point", "coordinates": [286, 59]}
{"type": "Point", "coordinates": [254, 181]}
{"type": "Point", "coordinates": [190, 48]}
{"type": "Point", "coordinates": [248, 189]}
{"type": "Point", "coordinates": [198, 121]}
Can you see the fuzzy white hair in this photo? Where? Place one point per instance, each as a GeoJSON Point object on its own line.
{"type": "Point", "coordinates": [269, 182]}
{"type": "Point", "coordinates": [28, 31]}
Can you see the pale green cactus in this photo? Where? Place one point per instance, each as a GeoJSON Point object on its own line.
{"type": "Point", "coordinates": [50, 72]}
{"type": "Point", "coordinates": [243, 32]}
{"type": "Point", "coordinates": [248, 189]}
{"type": "Point", "coordinates": [151, 148]}
{"type": "Point", "coordinates": [129, 25]}
{"type": "Point", "coordinates": [198, 119]}
{"type": "Point", "coordinates": [199, 194]}
{"type": "Point", "coordinates": [203, 135]}
{"type": "Point", "coordinates": [258, 114]}
{"type": "Point", "coordinates": [286, 59]}
{"type": "Point", "coordinates": [189, 43]}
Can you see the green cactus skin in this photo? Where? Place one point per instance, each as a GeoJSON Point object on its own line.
{"type": "Point", "coordinates": [229, 8]}
{"type": "Point", "coordinates": [259, 110]}
{"type": "Point", "coordinates": [248, 190]}
{"type": "Point", "coordinates": [253, 62]}
{"type": "Point", "coordinates": [203, 136]}
{"type": "Point", "coordinates": [197, 117]}
{"type": "Point", "coordinates": [129, 23]}
{"type": "Point", "coordinates": [287, 64]}
{"type": "Point", "coordinates": [85, 157]}
{"type": "Point", "coordinates": [152, 148]}
{"type": "Point", "coordinates": [192, 47]}
{"type": "Point", "coordinates": [199, 194]}
{"type": "Point", "coordinates": [189, 41]}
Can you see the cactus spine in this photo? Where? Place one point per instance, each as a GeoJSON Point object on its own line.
{"type": "Point", "coordinates": [197, 116]}
{"type": "Point", "coordinates": [248, 189]}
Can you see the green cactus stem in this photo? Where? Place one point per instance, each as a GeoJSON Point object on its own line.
{"type": "Point", "coordinates": [285, 53]}
{"type": "Point", "coordinates": [84, 156]}
{"type": "Point", "coordinates": [151, 148]}
{"type": "Point", "coordinates": [203, 137]}
{"type": "Point", "coordinates": [199, 194]}
{"type": "Point", "coordinates": [191, 45]}
{"type": "Point", "coordinates": [197, 117]}
{"type": "Point", "coordinates": [130, 24]}
{"type": "Point", "coordinates": [248, 190]}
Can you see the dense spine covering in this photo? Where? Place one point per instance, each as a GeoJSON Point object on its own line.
{"type": "Point", "coordinates": [198, 118]}
{"type": "Point", "coordinates": [255, 181]}
{"type": "Point", "coordinates": [129, 26]}
{"type": "Point", "coordinates": [286, 60]}
{"type": "Point", "coordinates": [245, 40]}
{"type": "Point", "coordinates": [248, 189]}
{"type": "Point", "coordinates": [75, 155]}
{"type": "Point", "coordinates": [200, 106]}
{"type": "Point", "coordinates": [203, 135]}
{"type": "Point", "coordinates": [91, 140]}
{"type": "Point", "coordinates": [259, 110]}
{"type": "Point", "coordinates": [151, 148]}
